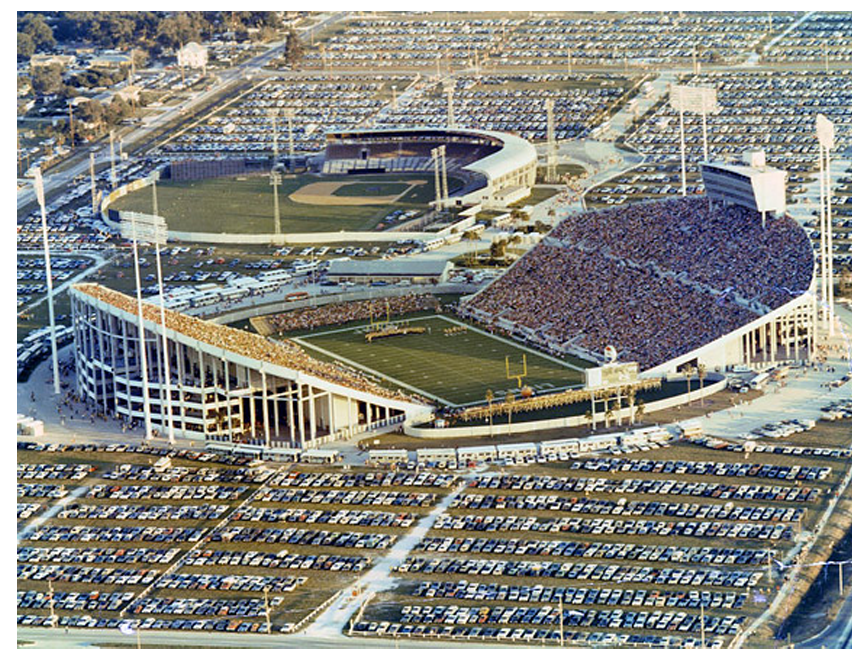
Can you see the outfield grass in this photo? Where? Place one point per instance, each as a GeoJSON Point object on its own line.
{"type": "Point", "coordinates": [245, 204]}
{"type": "Point", "coordinates": [456, 369]}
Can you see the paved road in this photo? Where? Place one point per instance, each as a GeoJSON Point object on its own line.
{"type": "Point", "coordinates": [41, 638]}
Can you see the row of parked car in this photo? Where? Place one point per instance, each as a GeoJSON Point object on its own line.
{"type": "Point", "coordinates": [142, 513]}
{"type": "Point", "coordinates": [582, 571]}
{"type": "Point", "coordinates": [179, 454]}
{"type": "Point", "coordinates": [550, 615]}
{"type": "Point", "coordinates": [366, 479]}
{"type": "Point", "coordinates": [75, 601]}
{"type": "Point", "coordinates": [109, 555]}
{"type": "Point", "coordinates": [700, 555]}
{"type": "Point", "coordinates": [628, 507]}
{"type": "Point", "coordinates": [727, 469]}
{"type": "Point", "coordinates": [744, 530]}
{"type": "Point", "coordinates": [346, 497]}
{"type": "Point", "coordinates": [605, 597]}
{"type": "Point", "coordinates": [116, 534]}
{"type": "Point", "coordinates": [87, 575]}
{"type": "Point", "coordinates": [192, 606]}
{"type": "Point", "coordinates": [233, 582]}
{"type": "Point", "coordinates": [187, 475]}
{"type": "Point", "coordinates": [282, 560]}
{"type": "Point", "coordinates": [71, 472]}
{"type": "Point", "coordinates": [89, 622]}
{"type": "Point", "coordinates": [175, 492]}
{"type": "Point", "coordinates": [313, 516]}
{"type": "Point", "coordinates": [648, 486]}
{"type": "Point", "coordinates": [293, 536]}
{"type": "Point", "coordinates": [40, 491]}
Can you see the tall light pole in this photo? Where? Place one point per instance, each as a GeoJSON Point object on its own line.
{"type": "Point", "coordinates": [142, 349]}
{"type": "Point", "coordinates": [826, 139]}
{"type": "Point", "coordinates": [40, 196]}
{"type": "Point", "coordinates": [167, 381]}
{"type": "Point", "coordinates": [112, 157]}
{"type": "Point", "coordinates": [290, 114]}
{"type": "Point", "coordinates": [275, 184]}
{"type": "Point", "coordinates": [92, 186]}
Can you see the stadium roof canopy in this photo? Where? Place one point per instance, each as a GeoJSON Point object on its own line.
{"type": "Point", "coordinates": [515, 152]}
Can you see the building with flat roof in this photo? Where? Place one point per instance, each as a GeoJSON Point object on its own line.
{"type": "Point", "coordinates": [751, 184]}
{"type": "Point", "coordinates": [428, 271]}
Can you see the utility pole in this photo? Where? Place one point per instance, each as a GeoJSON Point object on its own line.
{"type": "Point", "coordinates": [51, 603]}
{"type": "Point", "coordinates": [92, 187]}
{"type": "Point", "coordinates": [272, 112]}
{"type": "Point", "coordinates": [72, 127]}
{"type": "Point", "coordinates": [449, 88]}
{"type": "Point", "coordinates": [438, 204]}
{"type": "Point", "coordinates": [289, 114]}
{"type": "Point", "coordinates": [267, 612]}
{"type": "Point", "coordinates": [112, 157]}
{"type": "Point", "coordinates": [561, 616]}
{"type": "Point", "coordinates": [701, 624]}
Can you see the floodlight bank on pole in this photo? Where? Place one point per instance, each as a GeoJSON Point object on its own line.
{"type": "Point", "coordinates": [437, 201]}
{"type": "Point", "coordinates": [92, 187]}
{"type": "Point", "coordinates": [826, 139]}
{"type": "Point", "coordinates": [40, 196]}
{"type": "Point", "coordinates": [112, 157]}
{"type": "Point", "coordinates": [444, 184]}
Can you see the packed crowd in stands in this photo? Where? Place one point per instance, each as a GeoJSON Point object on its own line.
{"type": "Point", "coordinates": [347, 312]}
{"type": "Point", "coordinates": [719, 247]}
{"type": "Point", "coordinates": [244, 343]}
{"type": "Point", "coordinates": [655, 280]}
{"type": "Point", "coordinates": [565, 294]}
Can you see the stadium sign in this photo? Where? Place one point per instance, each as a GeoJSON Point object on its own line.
{"type": "Point", "coordinates": [144, 227]}
{"type": "Point", "coordinates": [612, 375]}
{"type": "Point", "coordinates": [700, 100]}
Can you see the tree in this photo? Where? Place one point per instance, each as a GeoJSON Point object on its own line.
{"type": "Point", "coordinates": [91, 112]}
{"type": "Point", "coordinates": [47, 79]}
{"type": "Point", "coordinates": [293, 51]}
{"type": "Point", "coordinates": [631, 402]}
{"type": "Point", "coordinates": [640, 408]}
{"type": "Point", "coordinates": [688, 373]}
{"type": "Point", "coordinates": [34, 25]}
{"type": "Point", "coordinates": [26, 47]}
{"type": "Point", "coordinates": [510, 401]}
{"type": "Point", "coordinates": [178, 29]}
{"type": "Point", "coordinates": [609, 416]}
{"type": "Point", "coordinates": [701, 370]}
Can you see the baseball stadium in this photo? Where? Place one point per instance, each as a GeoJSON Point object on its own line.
{"type": "Point", "coordinates": [366, 183]}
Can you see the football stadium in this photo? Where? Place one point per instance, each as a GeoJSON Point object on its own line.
{"type": "Point", "coordinates": [610, 304]}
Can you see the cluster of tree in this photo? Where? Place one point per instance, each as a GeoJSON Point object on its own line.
{"type": "Point", "coordinates": [33, 34]}
{"type": "Point", "coordinates": [156, 30]}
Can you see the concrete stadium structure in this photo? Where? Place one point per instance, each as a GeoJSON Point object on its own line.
{"type": "Point", "coordinates": [496, 168]}
{"type": "Point", "coordinates": [223, 383]}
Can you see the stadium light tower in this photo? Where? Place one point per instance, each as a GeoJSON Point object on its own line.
{"type": "Point", "coordinates": [275, 183]}
{"type": "Point", "coordinates": [551, 145]}
{"type": "Point", "coordinates": [449, 88]}
{"type": "Point", "coordinates": [435, 153]}
{"type": "Point", "coordinates": [289, 113]}
{"type": "Point", "coordinates": [444, 184]}
{"type": "Point", "coordinates": [40, 197]}
{"type": "Point", "coordinates": [142, 351]}
{"type": "Point", "coordinates": [272, 112]}
{"type": "Point", "coordinates": [826, 139]}
{"type": "Point", "coordinates": [700, 100]}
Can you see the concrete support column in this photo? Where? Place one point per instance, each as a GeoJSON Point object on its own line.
{"type": "Point", "coordinates": [252, 404]}
{"type": "Point", "coordinates": [312, 412]}
{"type": "Point", "coordinates": [228, 391]}
{"type": "Point", "coordinates": [265, 408]}
{"type": "Point", "coordinates": [290, 411]}
{"type": "Point", "coordinates": [331, 402]}
{"type": "Point", "coordinates": [275, 411]}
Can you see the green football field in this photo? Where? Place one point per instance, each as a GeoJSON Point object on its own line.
{"type": "Point", "coordinates": [456, 370]}
{"type": "Point", "coordinates": [245, 204]}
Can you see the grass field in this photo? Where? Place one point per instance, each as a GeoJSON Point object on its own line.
{"type": "Point", "coordinates": [456, 369]}
{"type": "Point", "coordinates": [245, 204]}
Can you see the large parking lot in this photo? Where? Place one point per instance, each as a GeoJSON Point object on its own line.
{"type": "Point", "coordinates": [191, 541]}
{"type": "Point", "coordinates": [643, 552]}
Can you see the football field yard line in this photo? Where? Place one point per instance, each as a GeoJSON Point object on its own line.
{"type": "Point", "coordinates": [311, 346]}
{"type": "Point", "coordinates": [520, 347]}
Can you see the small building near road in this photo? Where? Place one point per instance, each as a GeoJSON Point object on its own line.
{"type": "Point", "coordinates": [193, 55]}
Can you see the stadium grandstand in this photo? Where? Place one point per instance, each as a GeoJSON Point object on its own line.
{"type": "Point", "coordinates": [667, 283]}
{"type": "Point", "coordinates": [223, 383]}
{"type": "Point", "coordinates": [495, 168]}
